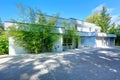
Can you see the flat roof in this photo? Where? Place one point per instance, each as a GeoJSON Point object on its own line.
{"type": "Point", "coordinates": [105, 35]}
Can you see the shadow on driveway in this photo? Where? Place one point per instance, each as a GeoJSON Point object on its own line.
{"type": "Point", "coordinates": [80, 64]}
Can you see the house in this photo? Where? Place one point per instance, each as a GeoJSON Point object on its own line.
{"type": "Point", "coordinates": [90, 36]}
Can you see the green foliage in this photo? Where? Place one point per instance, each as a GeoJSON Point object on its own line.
{"type": "Point", "coordinates": [37, 32]}
{"type": "Point", "coordinates": [94, 18]}
{"type": "Point", "coordinates": [70, 30]}
{"type": "Point", "coordinates": [112, 29]}
{"type": "Point", "coordinates": [3, 44]}
{"type": "Point", "coordinates": [101, 19]}
{"type": "Point", "coordinates": [1, 27]}
{"type": "Point", "coordinates": [105, 20]}
{"type": "Point", "coordinates": [3, 40]}
{"type": "Point", "coordinates": [117, 32]}
{"type": "Point", "coordinates": [70, 33]}
{"type": "Point", "coordinates": [35, 36]}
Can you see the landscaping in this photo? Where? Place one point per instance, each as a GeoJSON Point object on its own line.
{"type": "Point", "coordinates": [3, 40]}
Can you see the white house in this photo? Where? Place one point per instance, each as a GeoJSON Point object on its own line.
{"type": "Point", "coordinates": [90, 36]}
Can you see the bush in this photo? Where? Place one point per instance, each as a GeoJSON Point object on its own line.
{"type": "Point", "coordinates": [36, 32]}
{"type": "Point", "coordinates": [34, 38]}
{"type": "Point", "coordinates": [3, 44]}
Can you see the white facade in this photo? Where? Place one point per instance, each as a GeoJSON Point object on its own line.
{"type": "Point", "coordinates": [14, 48]}
{"type": "Point", "coordinates": [90, 36]}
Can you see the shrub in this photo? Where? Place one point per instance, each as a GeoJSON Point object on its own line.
{"type": "Point", "coordinates": [36, 37]}
{"type": "Point", "coordinates": [36, 32]}
{"type": "Point", "coordinates": [3, 44]}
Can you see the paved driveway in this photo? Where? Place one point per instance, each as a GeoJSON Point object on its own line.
{"type": "Point", "coordinates": [79, 64]}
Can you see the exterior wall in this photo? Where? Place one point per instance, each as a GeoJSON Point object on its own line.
{"type": "Point", "coordinates": [85, 26]}
{"type": "Point", "coordinates": [87, 41]}
{"type": "Point", "coordinates": [92, 42]}
{"type": "Point", "coordinates": [88, 29]}
{"type": "Point", "coordinates": [14, 48]}
{"type": "Point", "coordinates": [99, 41]}
{"type": "Point", "coordinates": [58, 47]}
{"type": "Point", "coordinates": [90, 36]}
{"type": "Point", "coordinates": [105, 41]}
{"type": "Point", "coordinates": [73, 44]}
{"type": "Point", "coordinates": [7, 24]}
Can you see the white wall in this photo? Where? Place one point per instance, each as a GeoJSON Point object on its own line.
{"type": "Point", "coordinates": [14, 48]}
{"type": "Point", "coordinates": [105, 42]}
{"type": "Point", "coordinates": [89, 32]}
{"type": "Point", "coordinates": [7, 24]}
{"type": "Point", "coordinates": [88, 29]}
{"type": "Point", "coordinates": [58, 47]}
{"type": "Point", "coordinates": [99, 42]}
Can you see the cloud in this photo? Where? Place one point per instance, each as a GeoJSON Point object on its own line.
{"type": "Point", "coordinates": [115, 19]}
{"type": "Point", "coordinates": [110, 10]}
{"type": "Point", "coordinates": [99, 8]}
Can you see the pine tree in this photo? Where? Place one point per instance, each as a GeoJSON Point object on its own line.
{"type": "Point", "coordinates": [101, 19]}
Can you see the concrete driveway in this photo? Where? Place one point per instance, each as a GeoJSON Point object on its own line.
{"type": "Point", "coordinates": [79, 64]}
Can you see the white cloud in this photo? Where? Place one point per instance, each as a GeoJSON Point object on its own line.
{"type": "Point", "coordinates": [99, 8]}
{"type": "Point", "coordinates": [116, 19]}
{"type": "Point", "coordinates": [110, 10]}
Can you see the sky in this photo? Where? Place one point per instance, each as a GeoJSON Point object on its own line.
{"type": "Point", "coordinates": [79, 9]}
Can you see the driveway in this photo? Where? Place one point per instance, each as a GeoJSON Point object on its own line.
{"type": "Point", "coordinates": [79, 64]}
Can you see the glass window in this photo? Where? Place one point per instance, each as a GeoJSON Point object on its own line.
{"type": "Point", "coordinates": [67, 41]}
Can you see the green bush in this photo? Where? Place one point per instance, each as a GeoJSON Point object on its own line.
{"type": "Point", "coordinates": [34, 38]}
{"type": "Point", "coordinates": [3, 44]}
{"type": "Point", "coordinates": [36, 32]}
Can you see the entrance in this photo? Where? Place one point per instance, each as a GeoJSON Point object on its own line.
{"type": "Point", "coordinates": [76, 43]}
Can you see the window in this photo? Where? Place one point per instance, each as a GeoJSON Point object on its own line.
{"type": "Point", "coordinates": [96, 30]}
{"type": "Point", "coordinates": [90, 29]}
{"type": "Point", "coordinates": [67, 41]}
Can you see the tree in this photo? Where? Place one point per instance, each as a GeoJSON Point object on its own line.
{"type": "Point", "coordinates": [35, 36]}
{"type": "Point", "coordinates": [70, 35]}
{"type": "Point", "coordinates": [101, 19]}
{"type": "Point", "coordinates": [116, 30]}
{"type": "Point", "coordinates": [112, 29]}
{"type": "Point", "coordinates": [94, 18]}
{"type": "Point", "coordinates": [70, 30]}
{"type": "Point", "coordinates": [1, 26]}
{"type": "Point", "coordinates": [37, 32]}
{"type": "Point", "coordinates": [105, 20]}
{"type": "Point", "coordinates": [3, 44]}
{"type": "Point", "coordinates": [3, 40]}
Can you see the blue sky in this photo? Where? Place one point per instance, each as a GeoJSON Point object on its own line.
{"type": "Point", "coordinates": [79, 9]}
